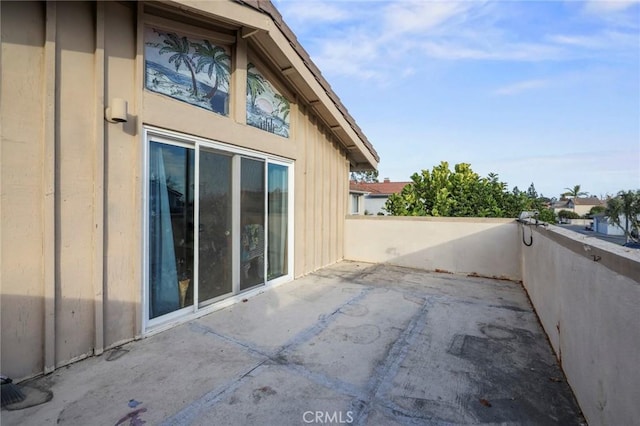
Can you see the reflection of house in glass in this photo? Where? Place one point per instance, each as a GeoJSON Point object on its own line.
{"type": "Point", "coordinates": [176, 200]}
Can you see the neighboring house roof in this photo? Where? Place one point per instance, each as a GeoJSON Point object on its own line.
{"type": "Point", "coordinates": [385, 188]}
{"type": "Point", "coordinates": [588, 201]}
{"type": "Point", "coordinates": [357, 191]}
{"type": "Point", "coordinates": [571, 202]}
{"type": "Point", "coordinates": [266, 7]}
{"type": "Point", "coordinates": [561, 204]}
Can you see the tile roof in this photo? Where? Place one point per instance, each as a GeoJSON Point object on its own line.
{"type": "Point", "coordinates": [588, 201]}
{"type": "Point", "coordinates": [560, 204]}
{"type": "Point", "coordinates": [378, 188]}
{"type": "Point", "coordinates": [583, 201]}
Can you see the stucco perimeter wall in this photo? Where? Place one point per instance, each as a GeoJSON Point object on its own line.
{"type": "Point", "coordinates": [487, 247]}
{"type": "Point", "coordinates": [587, 295]}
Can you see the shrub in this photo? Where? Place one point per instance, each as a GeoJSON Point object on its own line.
{"type": "Point", "coordinates": [568, 214]}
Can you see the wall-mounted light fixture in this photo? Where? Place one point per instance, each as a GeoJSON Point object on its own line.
{"type": "Point", "coordinates": [117, 112]}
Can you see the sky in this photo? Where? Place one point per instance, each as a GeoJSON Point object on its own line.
{"type": "Point", "coordinates": [543, 92]}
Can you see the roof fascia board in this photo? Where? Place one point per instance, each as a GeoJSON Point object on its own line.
{"type": "Point", "coordinates": [281, 41]}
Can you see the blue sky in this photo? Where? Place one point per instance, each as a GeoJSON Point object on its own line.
{"type": "Point", "coordinates": [536, 91]}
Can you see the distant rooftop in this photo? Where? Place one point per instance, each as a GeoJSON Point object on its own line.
{"type": "Point", "coordinates": [588, 201]}
{"type": "Point", "coordinates": [378, 188]}
{"type": "Point", "coordinates": [581, 201]}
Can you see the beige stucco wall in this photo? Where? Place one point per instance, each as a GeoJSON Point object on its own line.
{"type": "Point", "coordinates": [71, 219]}
{"type": "Point", "coordinates": [582, 210]}
{"type": "Point", "coordinates": [587, 295]}
{"type": "Point", "coordinates": [122, 182]}
{"type": "Point", "coordinates": [22, 185]}
{"type": "Point", "coordinates": [487, 247]}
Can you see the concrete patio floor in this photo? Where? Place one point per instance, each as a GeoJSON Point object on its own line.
{"type": "Point", "coordinates": [353, 343]}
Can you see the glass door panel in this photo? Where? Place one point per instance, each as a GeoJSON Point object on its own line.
{"type": "Point", "coordinates": [278, 209]}
{"type": "Point", "coordinates": [171, 185]}
{"type": "Point", "coordinates": [214, 244]}
{"type": "Point", "coordinates": [252, 241]}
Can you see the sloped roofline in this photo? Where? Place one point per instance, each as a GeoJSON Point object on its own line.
{"type": "Point", "coordinates": [267, 8]}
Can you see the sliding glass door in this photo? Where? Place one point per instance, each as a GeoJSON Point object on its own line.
{"type": "Point", "coordinates": [214, 226]}
{"type": "Point", "coordinates": [170, 228]}
{"type": "Point", "coordinates": [252, 223]}
{"type": "Point", "coordinates": [211, 209]}
{"type": "Point", "coordinates": [278, 214]}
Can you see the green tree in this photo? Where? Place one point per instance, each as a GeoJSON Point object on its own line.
{"type": "Point", "coordinates": [457, 192]}
{"type": "Point", "coordinates": [531, 192]}
{"type": "Point", "coordinates": [547, 215]}
{"type": "Point", "coordinates": [574, 192]}
{"type": "Point", "coordinates": [369, 176]}
{"type": "Point", "coordinates": [179, 47]}
{"type": "Point", "coordinates": [626, 205]}
{"type": "Point", "coordinates": [568, 214]}
{"type": "Point", "coordinates": [216, 60]}
{"type": "Point", "coordinates": [596, 210]}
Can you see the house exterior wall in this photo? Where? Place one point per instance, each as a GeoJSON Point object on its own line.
{"type": "Point", "coordinates": [72, 183]}
{"type": "Point", "coordinates": [356, 203]}
{"type": "Point", "coordinates": [374, 205]}
{"type": "Point", "coordinates": [586, 293]}
{"type": "Point", "coordinates": [604, 227]}
{"type": "Point", "coordinates": [582, 209]}
{"type": "Point", "coordinates": [24, 232]}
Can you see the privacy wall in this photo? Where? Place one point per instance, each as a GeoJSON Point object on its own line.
{"type": "Point", "coordinates": [586, 293]}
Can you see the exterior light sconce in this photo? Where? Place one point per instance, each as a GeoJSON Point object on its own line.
{"type": "Point", "coordinates": [117, 112]}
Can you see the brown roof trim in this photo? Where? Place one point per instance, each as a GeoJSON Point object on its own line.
{"type": "Point", "coordinates": [378, 188]}
{"type": "Point", "coordinates": [266, 7]}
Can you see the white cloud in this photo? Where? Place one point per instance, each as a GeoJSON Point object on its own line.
{"type": "Point", "coordinates": [465, 49]}
{"type": "Point", "coordinates": [620, 14]}
{"type": "Point", "coordinates": [522, 86]}
{"type": "Point", "coordinates": [610, 40]}
{"type": "Point", "coordinates": [421, 16]}
{"type": "Point", "coordinates": [408, 72]}
{"type": "Point", "coordinates": [313, 11]}
{"type": "Point", "coordinates": [368, 40]}
{"type": "Point", "coordinates": [608, 6]}
{"type": "Point", "coordinates": [354, 55]}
